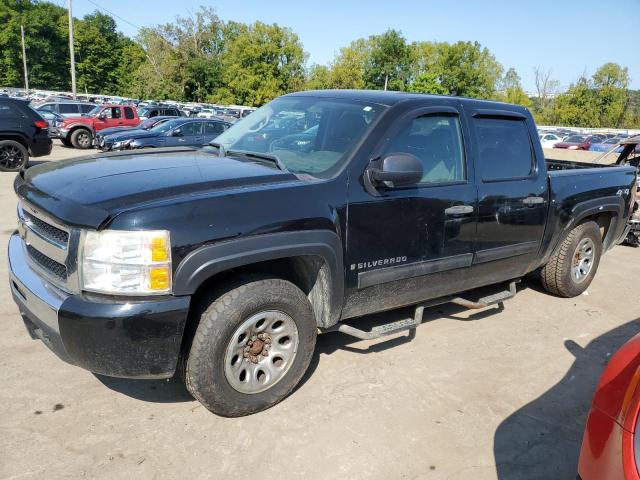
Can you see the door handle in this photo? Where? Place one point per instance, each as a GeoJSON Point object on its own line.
{"type": "Point", "coordinates": [459, 210]}
{"type": "Point", "coordinates": [531, 201]}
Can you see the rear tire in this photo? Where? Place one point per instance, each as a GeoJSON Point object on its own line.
{"type": "Point", "coordinates": [224, 369]}
{"type": "Point", "coordinates": [82, 139]}
{"type": "Point", "coordinates": [13, 156]}
{"type": "Point", "coordinates": [574, 263]}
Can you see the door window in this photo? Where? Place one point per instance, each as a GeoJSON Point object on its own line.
{"type": "Point", "coordinates": [50, 107]}
{"type": "Point", "coordinates": [436, 140]}
{"type": "Point", "coordinates": [86, 108]}
{"type": "Point", "coordinates": [504, 148]}
{"type": "Point", "coordinates": [68, 108]}
{"type": "Point", "coordinates": [9, 111]}
{"type": "Point", "coordinates": [213, 128]}
{"type": "Point", "coordinates": [128, 113]}
{"type": "Point", "coordinates": [191, 128]}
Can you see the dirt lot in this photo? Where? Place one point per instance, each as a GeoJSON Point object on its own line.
{"type": "Point", "coordinates": [495, 394]}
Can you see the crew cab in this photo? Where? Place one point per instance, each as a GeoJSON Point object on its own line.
{"type": "Point", "coordinates": [224, 263]}
{"type": "Point", "coordinates": [79, 132]}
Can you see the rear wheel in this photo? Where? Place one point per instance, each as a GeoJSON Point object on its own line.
{"type": "Point", "coordinates": [82, 138]}
{"type": "Point", "coordinates": [251, 348]}
{"type": "Point", "coordinates": [574, 264]}
{"type": "Point", "coordinates": [13, 156]}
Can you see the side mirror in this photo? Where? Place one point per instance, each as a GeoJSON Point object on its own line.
{"type": "Point", "coordinates": [102, 115]}
{"type": "Point", "coordinates": [395, 170]}
{"type": "Point", "coordinates": [177, 132]}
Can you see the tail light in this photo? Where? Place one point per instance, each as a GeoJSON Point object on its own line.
{"type": "Point", "coordinates": [41, 124]}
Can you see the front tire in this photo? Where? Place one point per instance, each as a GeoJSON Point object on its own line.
{"type": "Point", "coordinates": [574, 264]}
{"type": "Point", "coordinates": [82, 139]}
{"type": "Point", "coordinates": [251, 348]}
{"type": "Point", "coordinates": [66, 143]}
{"type": "Point", "coordinates": [13, 156]}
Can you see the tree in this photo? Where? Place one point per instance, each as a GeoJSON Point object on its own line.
{"type": "Point", "coordinates": [467, 69]}
{"type": "Point", "coordinates": [348, 69]}
{"type": "Point", "coordinates": [318, 78]}
{"type": "Point", "coordinates": [511, 90]}
{"type": "Point", "coordinates": [578, 106]}
{"type": "Point", "coordinates": [389, 61]}
{"type": "Point", "coordinates": [611, 82]}
{"type": "Point", "coordinates": [261, 62]}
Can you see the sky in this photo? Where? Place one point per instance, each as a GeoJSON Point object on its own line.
{"type": "Point", "coordinates": [569, 37]}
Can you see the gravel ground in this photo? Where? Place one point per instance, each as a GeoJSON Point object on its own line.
{"type": "Point", "coordinates": [500, 393]}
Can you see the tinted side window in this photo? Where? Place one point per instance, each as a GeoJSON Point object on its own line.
{"type": "Point", "coordinates": [115, 112]}
{"type": "Point", "coordinates": [9, 111]}
{"type": "Point", "coordinates": [50, 107]}
{"type": "Point", "coordinates": [86, 108]}
{"type": "Point", "coordinates": [192, 128]}
{"type": "Point", "coordinates": [504, 148]}
{"type": "Point", "coordinates": [213, 128]}
{"type": "Point", "coordinates": [437, 142]}
{"type": "Point", "coordinates": [68, 108]}
{"type": "Point", "coordinates": [153, 113]}
{"type": "Point", "coordinates": [128, 113]}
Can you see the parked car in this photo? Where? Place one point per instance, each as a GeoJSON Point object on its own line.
{"type": "Point", "coordinates": [611, 442]}
{"type": "Point", "coordinates": [548, 140]}
{"type": "Point", "coordinates": [206, 113]}
{"type": "Point", "coordinates": [604, 146]}
{"type": "Point", "coordinates": [153, 111]}
{"type": "Point", "coordinates": [55, 121]}
{"type": "Point", "coordinates": [80, 131]}
{"type": "Point", "coordinates": [66, 108]}
{"type": "Point", "coordinates": [23, 134]}
{"type": "Point", "coordinates": [577, 142]}
{"type": "Point", "coordinates": [173, 133]}
{"type": "Point", "coordinates": [104, 139]}
{"type": "Point", "coordinates": [231, 260]}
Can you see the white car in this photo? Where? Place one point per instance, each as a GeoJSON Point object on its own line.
{"type": "Point", "coordinates": [206, 113]}
{"type": "Point", "coordinates": [548, 140]}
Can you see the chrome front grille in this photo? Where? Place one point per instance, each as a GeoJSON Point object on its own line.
{"type": "Point", "coordinates": [47, 231]}
{"type": "Point", "coordinates": [50, 246]}
{"type": "Point", "coordinates": [49, 264]}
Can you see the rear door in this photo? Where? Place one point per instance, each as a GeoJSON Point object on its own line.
{"type": "Point", "coordinates": [212, 130]}
{"type": "Point", "coordinates": [130, 119]}
{"type": "Point", "coordinates": [513, 194]}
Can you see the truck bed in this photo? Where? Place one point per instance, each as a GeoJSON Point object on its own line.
{"type": "Point", "coordinates": [555, 165]}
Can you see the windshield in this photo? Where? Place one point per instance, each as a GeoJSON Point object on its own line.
{"type": "Point", "coordinates": [94, 111]}
{"type": "Point", "coordinates": [308, 134]}
{"type": "Point", "coordinates": [166, 126]}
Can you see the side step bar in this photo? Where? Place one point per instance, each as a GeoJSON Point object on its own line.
{"type": "Point", "coordinates": [411, 323]}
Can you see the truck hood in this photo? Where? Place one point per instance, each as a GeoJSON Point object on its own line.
{"type": "Point", "coordinates": [90, 190]}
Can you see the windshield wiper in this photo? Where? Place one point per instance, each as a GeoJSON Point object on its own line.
{"type": "Point", "coordinates": [262, 156]}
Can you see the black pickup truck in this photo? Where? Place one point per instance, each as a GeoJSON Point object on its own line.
{"type": "Point", "coordinates": [225, 262]}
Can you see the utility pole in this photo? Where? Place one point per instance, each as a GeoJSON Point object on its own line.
{"type": "Point", "coordinates": [24, 60]}
{"type": "Point", "coordinates": [71, 51]}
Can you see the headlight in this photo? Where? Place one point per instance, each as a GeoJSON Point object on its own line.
{"type": "Point", "coordinates": [126, 263]}
{"type": "Point", "coordinates": [123, 144]}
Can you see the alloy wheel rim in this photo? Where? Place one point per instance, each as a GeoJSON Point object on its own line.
{"type": "Point", "coordinates": [83, 139]}
{"type": "Point", "coordinates": [261, 351]}
{"type": "Point", "coordinates": [11, 156]}
{"type": "Point", "coordinates": [582, 261]}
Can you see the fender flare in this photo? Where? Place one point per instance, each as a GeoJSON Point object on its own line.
{"type": "Point", "coordinates": [209, 260]}
{"type": "Point", "coordinates": [612, 204]}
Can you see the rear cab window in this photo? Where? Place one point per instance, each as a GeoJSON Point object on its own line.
{"type": "Point", "coordinates": [505, 151]}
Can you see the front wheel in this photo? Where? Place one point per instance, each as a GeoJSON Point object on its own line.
{"type": "Point", "coordinates": [251, 347]}
{"type": "Point", "coordinates": [82, 139]}
{"type": "Point", "coordinates": [574, 263]}
{"type": "Point", "coordinates": [13, 156]}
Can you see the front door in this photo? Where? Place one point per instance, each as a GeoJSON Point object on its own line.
{"type": "Point", "coordinates": [513, 195]}
{"type": "Point", "coordinates": [413, 243]}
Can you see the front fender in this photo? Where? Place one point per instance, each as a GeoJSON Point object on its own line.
{"type": "Point", "coordinates": [204, 262]}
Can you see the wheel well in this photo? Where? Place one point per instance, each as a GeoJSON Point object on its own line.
{"type": "Point", "coordinates": [15, 138]}
{"type": "Point", "coordinates": [80, 127]}
{"type": "Point", "coordinates": [310, 273]}
{"type": "Point", "coordinates": [603, 220]}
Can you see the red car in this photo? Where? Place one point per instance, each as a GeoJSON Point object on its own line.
{"type": "Point", "coordinates": [578, 142]}
{"type": "Point", "coordinates": [80, 131]}
{"type": "Point", "coordinates": [610, 446]}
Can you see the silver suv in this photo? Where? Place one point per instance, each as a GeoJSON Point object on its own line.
{"type": "Point", "coordinates": [66, 109]}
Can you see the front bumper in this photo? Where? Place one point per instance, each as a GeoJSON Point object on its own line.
{"type": "Point", "coordinates": [115, 336]}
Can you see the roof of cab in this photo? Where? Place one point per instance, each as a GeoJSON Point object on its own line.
{"type": "Point", "coordinates": [390, 98]}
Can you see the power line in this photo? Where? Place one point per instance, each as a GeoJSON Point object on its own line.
{"type": "Point", "coordinates": [114, 15]}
